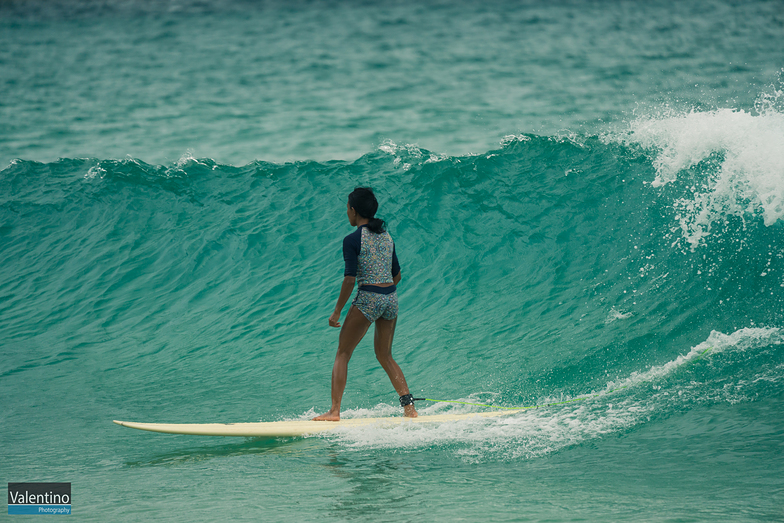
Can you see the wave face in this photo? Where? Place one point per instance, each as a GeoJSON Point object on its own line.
{"type": "Point", "coordinates": [549, 266]}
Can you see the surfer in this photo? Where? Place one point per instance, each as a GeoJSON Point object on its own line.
{"type": "Point", "coordinates": [371, 261]}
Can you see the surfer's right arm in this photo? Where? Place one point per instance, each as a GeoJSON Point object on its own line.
{"type": "Point", "coordinates": [352, 244]}
{"type": "Point", "coordinates": [345, 293]}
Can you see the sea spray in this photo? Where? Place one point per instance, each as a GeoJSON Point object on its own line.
{"type": "Point", "coordinates": [707, 374]}
{"type": "Point", "coordinates": [728, 163]}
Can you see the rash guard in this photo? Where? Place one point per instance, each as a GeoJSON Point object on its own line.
{"type": "Point", "coordinates": [371, 258]}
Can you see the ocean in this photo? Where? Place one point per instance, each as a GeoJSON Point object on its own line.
{"type": "Point", "coordinates": [587, 200]}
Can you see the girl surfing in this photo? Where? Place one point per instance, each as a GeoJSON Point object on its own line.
{"type": "Point", "coordinates": [371, 262]}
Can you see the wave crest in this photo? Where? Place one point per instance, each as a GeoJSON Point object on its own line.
{"type": "Point", "coordinates": [727, 162]}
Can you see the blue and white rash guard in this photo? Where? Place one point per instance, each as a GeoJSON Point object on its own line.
{"type": "Point", "coordinates": [371, 258]}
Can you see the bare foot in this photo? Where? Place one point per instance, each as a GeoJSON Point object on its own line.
{"type": "Point", "coordinates": [328, 416]}
{"type": "Point", "coordinates": [410, 411]}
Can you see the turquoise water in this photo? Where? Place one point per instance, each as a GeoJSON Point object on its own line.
{"type": "Point", "coordinates": [587, 203]}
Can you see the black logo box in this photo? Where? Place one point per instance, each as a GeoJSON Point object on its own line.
{"type": "Point", "coordinates": [38, 488]}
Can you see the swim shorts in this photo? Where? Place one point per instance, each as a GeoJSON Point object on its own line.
{"type": "Point", "coordinates": [375, 306]}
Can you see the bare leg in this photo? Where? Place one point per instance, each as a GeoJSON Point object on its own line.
{"type": "Point", "coordinates": [385, 332]}
{"type": "Point", "coordinates": [354, 328]}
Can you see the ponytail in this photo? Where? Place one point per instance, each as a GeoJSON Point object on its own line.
{"type": "Point", "coordinates": [364, 202]}
{"type": "Point", "coordinates": [376, 225]}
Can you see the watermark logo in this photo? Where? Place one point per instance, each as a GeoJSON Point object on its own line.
{"type": "Point", "coordinates": [39, 498]}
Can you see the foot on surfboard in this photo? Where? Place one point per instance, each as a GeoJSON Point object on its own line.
{"type": "Point", "coordinates": [328, 416]}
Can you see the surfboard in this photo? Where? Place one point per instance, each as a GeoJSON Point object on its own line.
{"type": "Point", "coordinates": [283, 429]}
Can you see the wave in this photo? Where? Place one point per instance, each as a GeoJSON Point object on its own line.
{"type": "Point", "coordinates": [723, 369]}
{"type": "Point", "coordinates": [545, 268]}
{"type": "Point", "coordinates": [726, 162]}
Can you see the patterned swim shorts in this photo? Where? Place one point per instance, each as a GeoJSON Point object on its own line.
{"type": "Point", "coordinates": [375, 306]}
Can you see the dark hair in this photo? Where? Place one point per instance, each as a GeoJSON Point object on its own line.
{"type": "Point", "coordinates": [364, 202]}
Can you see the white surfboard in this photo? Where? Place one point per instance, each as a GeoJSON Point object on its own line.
{"type": "Point", "coordinates": [280, 429]}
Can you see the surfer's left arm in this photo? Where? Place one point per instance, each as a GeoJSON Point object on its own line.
{"type": "Point", "coordinates": [345, 293]}
{"type": "Point", "coordinates": [352, 244]}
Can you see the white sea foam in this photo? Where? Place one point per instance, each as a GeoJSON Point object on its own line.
{"type": "Point", "coordinates": [407, 153]}
{"type": "Point", "coordinates": [96, 171]}
{"type": "Point", "coordinates": [512, 138]}
{"type": "Point", "coordinates": [615, 315]}
{"type": "Point", "coordinates": [749, 147]}
{"type": "Point", "coordinates": [409, 149]}
{"type": "Point", "coordinates": [619, 405]}
{"type": "Point", "coordinates": [717, 342]}
{"type": "Point", "coordinates": [186, 159]}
